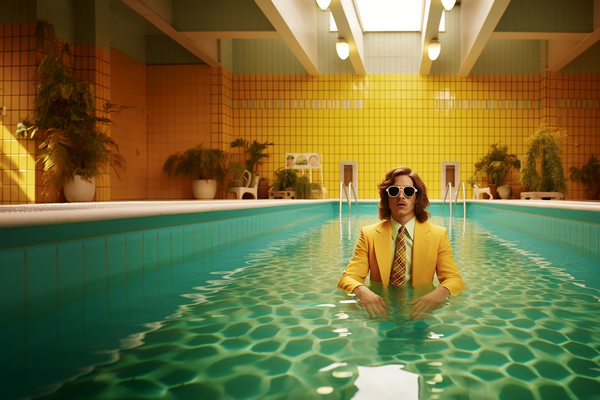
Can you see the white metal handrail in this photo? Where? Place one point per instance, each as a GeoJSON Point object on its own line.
{"type": "Point", "coordinates": [464, 199]}
{"type": "Point", "coordinates": [352, 191]}
{"type": "Point", "coordinates": [342, 191]}
{"type": "Point", "coordinates": [448, 190]}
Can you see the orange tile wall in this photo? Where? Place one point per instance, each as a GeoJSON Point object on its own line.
{"type": "Point", "coordinates": [179, 117]}
{"type": "Point", "coordinates": [129, 87]}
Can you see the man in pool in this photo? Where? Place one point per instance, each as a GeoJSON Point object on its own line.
{"type": "Point", "coordinates": [403, 248]}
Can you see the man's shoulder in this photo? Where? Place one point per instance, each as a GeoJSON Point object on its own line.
{"type": "Point", "coordinates": [433, 228]}
{"type": "Point", "coordinates": [375, 227]}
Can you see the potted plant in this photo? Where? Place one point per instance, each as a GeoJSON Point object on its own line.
{"type": "Point", "coordinates": [75, 146]}
{"type": "Point", "coordinates": [205, 167]}
{"type": "Point", "coordinates": [496, 165]}
{"type": "Point", "coordinates": [305, 189]}
{"type": "Point", "coordinates": [284, 184]}
{"type": "Point", "coordinates": [255, 152]}
{"type": "Point", "coordinates": [544, 150]}
{"type": "Point", "coordinates": [589, 175]}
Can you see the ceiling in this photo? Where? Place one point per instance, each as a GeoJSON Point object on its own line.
{"type": "Point", "coordinates": [566, 28]}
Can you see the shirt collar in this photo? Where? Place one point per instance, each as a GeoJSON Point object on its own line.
{"type": "Point", "coordinates": [410, 227]}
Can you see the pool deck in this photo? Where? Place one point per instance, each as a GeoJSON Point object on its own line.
{"type": "Point", "coordinates": [12, 216]}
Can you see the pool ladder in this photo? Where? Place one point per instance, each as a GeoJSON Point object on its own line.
{"type": "Point", "coordinates": [449, 190]}
{"type": "Point", "coordinates": [348, 197]}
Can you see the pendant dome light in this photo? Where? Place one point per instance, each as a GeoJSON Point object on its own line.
{"type": "Point", "coordinates": [324, 4]}
{"type": "Point", "coordinates": [448, 4]}
{"type": "Point", "coordinates": [343, 48]}
{"type": "Point", "coordinates": [433, 49]}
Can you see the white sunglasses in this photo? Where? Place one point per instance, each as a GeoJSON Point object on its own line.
{"type": "Point", "coordinates": [394, 191]}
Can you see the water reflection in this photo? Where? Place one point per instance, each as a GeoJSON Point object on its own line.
{"type": "Point", "coordinates": [386, 382]}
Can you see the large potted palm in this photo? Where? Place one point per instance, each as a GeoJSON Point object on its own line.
{"type": "Point", "coordinates": [75, 146]}
{"type": "Point", "coordinates": [543, 172]}
{"type": "Point", "coordinates": [496, 165]}
{"type": "Point", "coordinates": [205, 167]}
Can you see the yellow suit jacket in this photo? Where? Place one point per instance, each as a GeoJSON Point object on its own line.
{"type": "Point", "coordinates": [432, 253]}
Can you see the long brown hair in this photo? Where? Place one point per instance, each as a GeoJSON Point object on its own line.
{"type": "Point", "coordinates": [421, 203]}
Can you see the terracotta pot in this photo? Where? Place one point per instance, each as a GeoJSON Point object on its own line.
{"type": "Point", "coordinates": [78, 189]}
{"type": "Point", "coordinates": [204, 189]}
{"type": "Point", "coordinates": [494, 190]}
{"type": "Point", "coordinates": [263, 189]}
{"type": "Point", "coordinates": [516, 192]}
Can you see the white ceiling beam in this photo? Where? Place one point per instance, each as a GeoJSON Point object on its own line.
{"type": "Point", "coordinates": [296, 22]}
{"type": "Point", "coordinates": [432, 14]}
{"type": "Point", "coordinates": [571, 36]}
{"type": "Point", "coordinates": [478, 21]}
{"type": "Point", "coordinates": [571, 54]}
{"type": "Point", "coordinates": [349, 28]}
{"type": "Point", "coordinates": [196, 35]}
{"type": "Point", "coordinates": [205, 49]}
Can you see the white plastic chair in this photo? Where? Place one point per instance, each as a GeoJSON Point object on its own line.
{"type": "Point", "coordinates": [250, 187]}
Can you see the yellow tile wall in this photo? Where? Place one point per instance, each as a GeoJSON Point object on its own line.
{"type": "Point", "coordinates": [129, 87]}
{"type": "Point", "coordinates": [383, 121]}
{"type": "Point", "coordinates": [17, 156]}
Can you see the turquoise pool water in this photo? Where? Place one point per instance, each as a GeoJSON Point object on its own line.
{"type": "Point", "coordinates": [262, 319]}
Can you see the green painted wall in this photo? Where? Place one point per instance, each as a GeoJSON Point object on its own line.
{"type": "Point", "coordinates": [21, 11]}
{"type": "Point", "coordinates": [264, 56]}
{"type": "Point", "coordinates": [448, 63]}
{"type": "Point", "coordinates": [550, 15]}
{"type": "Point", "coordinates": [92, 23]}
{"type": "Point", "coordinates": [61, 14]}
{"type": "Point", "coordinates": [586, 63]}
{"type": "Point", "coordinates": [226, 53]}
{"type": "Point", "coordinates": [509, 57]}
{"type": "Point", "coordinates": [221, 15]}
{"type": "Point", "coordinates": [161, 49]}
{"type": "Point", "coordinates": [127, 39]}
{"type": "Point", "coordinates": [329, 62]}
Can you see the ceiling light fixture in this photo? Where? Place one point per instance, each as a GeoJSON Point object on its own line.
{"type": "Point", "coordinates": [433, 49]}
{"type": "Point", "coordinates": [343, 48]}
{"type": "Point", "coordinates": [324, 4]}
{"type": "Point", "coordinates": [448, 4]}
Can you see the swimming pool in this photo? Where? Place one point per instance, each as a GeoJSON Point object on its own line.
{"type": "Point", "coordinates": [260, 317]}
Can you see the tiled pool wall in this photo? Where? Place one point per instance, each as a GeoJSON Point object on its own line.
{"type": "Point", "coordinates": [575, 230]}
{"type": "Point", "coordinates": [67, 263]}
{"type": "Point", "coordinates": [39, 265]}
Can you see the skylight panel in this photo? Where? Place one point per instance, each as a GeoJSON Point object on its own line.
{"type": "Point", "coordinates": [390, 15]}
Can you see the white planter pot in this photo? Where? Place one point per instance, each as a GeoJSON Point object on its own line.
{"type": "Point", "coordinates": [204, 189]}
{"type": "Point", "coordinates": [79, 189]}
{"type": "Point", "coordinates": [505, 192]}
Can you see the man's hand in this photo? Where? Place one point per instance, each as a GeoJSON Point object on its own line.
{"type": "Point", "coordinates": [371, 303]}
{"type": "Point", "coordinates": [430, 302]}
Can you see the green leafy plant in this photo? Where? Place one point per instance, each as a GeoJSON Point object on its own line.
{"type": "Point", "coordinates": [285, 179]}
{"type": "Point", "coordinates": [255, 152]}
{"type": "Point", "coordinates": [544, 151]}
{"type": "Point", "coordinates": [496, 164]}
{"type": "Point", "coordinates": [305, 189]}
{"type": "Point", "coordinates": [589, 174]}
{"type": "Point", "coordinates": [74, 138]}
{"type": "Point", "coordinates": [198, 163]}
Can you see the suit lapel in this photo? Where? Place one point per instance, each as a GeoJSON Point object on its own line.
{"type": "Point", "coordinates": [383, 250]}
{"type": "Point", "coordinates": [421, 244]}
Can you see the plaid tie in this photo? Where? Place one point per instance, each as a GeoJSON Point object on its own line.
{"type": "Point", "coordinates": [399, 266]}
